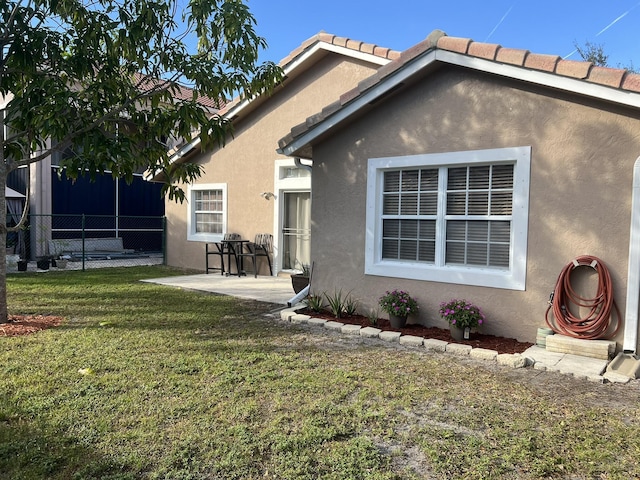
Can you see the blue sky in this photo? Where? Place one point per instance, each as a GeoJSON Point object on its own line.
{"type": "Point", "coordinates": [542, 26]}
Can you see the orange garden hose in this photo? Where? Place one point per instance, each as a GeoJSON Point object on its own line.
{"type": "Point", "coordinates": [598, 321]}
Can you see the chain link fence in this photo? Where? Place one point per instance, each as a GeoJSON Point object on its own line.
{"type": "Point", "coordinates": [87, 241]}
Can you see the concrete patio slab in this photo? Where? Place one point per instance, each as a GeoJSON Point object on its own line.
{"type": "Point", "coordinates": [264, 289]}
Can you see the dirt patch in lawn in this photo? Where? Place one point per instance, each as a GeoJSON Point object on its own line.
{"type": "Point", "coordinates": [477, 340]}
{"type": "Point", "coordinates": [27, 324]}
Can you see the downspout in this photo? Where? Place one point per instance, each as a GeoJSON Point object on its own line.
{"type": "Point", "coordinates": [633, 279]}
{"type": "Point", "coordinates": [298, 163]}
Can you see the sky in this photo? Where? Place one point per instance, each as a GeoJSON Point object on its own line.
{"type": "Point", "coordinates": [540, 26]}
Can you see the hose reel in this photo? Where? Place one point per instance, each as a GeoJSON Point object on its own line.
{"type": "Point", "coordinates": [598, 322]}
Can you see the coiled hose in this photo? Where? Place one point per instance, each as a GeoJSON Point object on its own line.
{"type": "Point", "coordinates": [598, 321]}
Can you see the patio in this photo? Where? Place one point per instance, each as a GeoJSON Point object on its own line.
{"type": "Point", "coordinates": [263, 288]}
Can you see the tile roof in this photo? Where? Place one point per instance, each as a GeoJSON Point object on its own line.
{"type": "Point", "coordinates": [322, 40]}
{"type": "Point", "coordinates": [349, 43]}
{"type": "Point", "coordinates": [329, 39]}
{"type": "Point", "coordinates": [146, 82]}
{"type": "Point", "coordinates": [622, 80]}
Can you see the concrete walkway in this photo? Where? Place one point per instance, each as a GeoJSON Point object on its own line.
{"type": "Point", "coordinates": [278, 290]}
{"type": "Point", "coordinates": [265, 289]}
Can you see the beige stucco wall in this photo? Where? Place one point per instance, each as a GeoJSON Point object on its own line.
{"type": "Point", "coordinates": [246, 163]}
{"type": "Point", "coordinates": [580, 192]}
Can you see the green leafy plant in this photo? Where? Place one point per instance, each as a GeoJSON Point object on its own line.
{"type": "Point", "coordinates": [373, 315]}
{"type": "Point", "coordinates": [398, 302]}
{"type": "Point", "coordinates": [314, 302]}
{"type": "Point", "coordinates": [461, 314]}
{"type": "Point", "coordinates": [340, 304]}
{"type": "Point", "coordinates": [351, 305]}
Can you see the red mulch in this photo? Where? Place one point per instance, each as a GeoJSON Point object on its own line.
{"type": "Point", "coordinates": [27, 324]}
{"type": "Point", "coordinates": [477, 340]}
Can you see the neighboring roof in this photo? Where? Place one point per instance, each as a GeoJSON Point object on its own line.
{"type": "Point", "coordinates": [609, 84]}
{"type": "Point", "coordinates": [182, 92]}
{"type": "Point", "coordinates": [296, 63]}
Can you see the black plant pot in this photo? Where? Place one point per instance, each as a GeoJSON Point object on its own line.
{"type": "Point", "coordinates": [22, 265]}
{"type": "Point", "coordinates": [299, 282]}
{"type": "Point", "coordinates": [43, 264]}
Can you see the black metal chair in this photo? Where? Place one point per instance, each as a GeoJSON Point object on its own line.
{"type": "Point", "coordinates": [262, 246]}
{"type": "Point", "coordinates": [220, 249]}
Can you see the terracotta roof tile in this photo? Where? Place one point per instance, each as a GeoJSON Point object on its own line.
{"type": "Point", "coordinates": [146, 82]}
{"type": "Point", "coordinates": [612, 77]}
{"type": "Point", "coordinates": [349, 43]}
{"type": "Point", "coordinates": [416, 50]}
{"type": "Point", "coordinates": [537, 61]}
{"type": "Point", "coordinates": [331, 108]}
{"type": "Point", "coordinates": [631, 82]}
{"type": "Point", "coordinates": [573, 68]}
{"type": "Point", "coordinates": [512, 56]}
{"type": "Point", "coordinates": [350, 95]}
{"type": "Point", "coordinates": [331, 39]}
{"type": "Point", "coordinates": [454, 44]}
{"type": "Point", "coordinates": [552, 64]}
{"type": "Point", "coordinates": [484, 50]}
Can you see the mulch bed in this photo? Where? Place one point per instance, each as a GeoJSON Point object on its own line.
{"type": "Point", "coordinates": [477, 340]}
{"type": "Point", "coordinates": [27, 324]}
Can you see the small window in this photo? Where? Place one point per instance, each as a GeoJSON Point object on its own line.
{"type": "Point", "coordinates": [207, 212]}
{"type": "Point", "coordinates": [454, 217]}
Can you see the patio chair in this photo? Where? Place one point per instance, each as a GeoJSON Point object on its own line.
{"type": "Point", "coordinates": [261, 247]}
{"type": "Point", "coordinates": [220, 249]}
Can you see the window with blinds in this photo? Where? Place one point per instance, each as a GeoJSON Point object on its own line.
{"type": "Point", "coordinates": [410, 201]}
{"type": "Point", "coordinates": [475, 213]}
{"type": "Point", "coordinates": [452, 217]}
{"type": "Point", "coordinates": [478, 211]}
{"type": "Point", "coordinates": [208, 211]}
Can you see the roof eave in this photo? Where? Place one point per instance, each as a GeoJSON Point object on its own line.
{"type": "Point", "coordinates": [432, 57]}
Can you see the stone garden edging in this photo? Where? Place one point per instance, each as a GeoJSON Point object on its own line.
{"type": "Point", "coordinates": [513, 360]}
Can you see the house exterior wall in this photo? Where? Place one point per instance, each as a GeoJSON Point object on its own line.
{"type": "Point", "coordinates": [579, 200]}
{"type": "Point", "coordinates": [246, 163]}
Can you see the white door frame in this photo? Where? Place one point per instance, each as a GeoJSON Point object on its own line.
{"type": "Point", "coordinates": [281, 184]}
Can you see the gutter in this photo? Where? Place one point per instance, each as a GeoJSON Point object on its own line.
{"type": "Point", "coordinates": [633, 276]}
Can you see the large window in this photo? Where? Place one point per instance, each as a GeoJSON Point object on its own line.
{"type": "Point", "coordinates": [207, 212]}
{"type": "Point", "coordinates": [456, 217]}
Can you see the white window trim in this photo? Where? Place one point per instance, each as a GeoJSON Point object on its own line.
{"type": "Point", "coordinates": [514, 278]}
{"type": "Point", "coordinates": [192, 235]}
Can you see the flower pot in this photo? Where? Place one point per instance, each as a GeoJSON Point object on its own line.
{"type": "Point", "coordinates": [456, 333]}
{"type": "Point", "coordinates": [397, 321]}
{"type": "Point", "coordinates": [299, 282]}
{"type": "Point", "coordinates": [22, 265]}
{"type": "Point", "coordinates": [43, 264]}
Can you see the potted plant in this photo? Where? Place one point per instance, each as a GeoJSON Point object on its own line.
{"type": "Point", "coordinates": [43, 263]}
{"type": "Point", "coordinates": [462, 316]}
{"type": "Point", "coordinates": [398, 304]}
{"type": "Point", "coordinates": [22, 265]}
{"type": "Point", "coordinates": [300, 280]}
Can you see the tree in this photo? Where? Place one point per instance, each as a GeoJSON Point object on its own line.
{"type": "Point", "coordinates": [104, 79]}
{"type": "Point", "coordinates": [594, 53]}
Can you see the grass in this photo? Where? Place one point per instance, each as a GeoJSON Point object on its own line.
{"type": "Point", "coordinates": [192, 386]}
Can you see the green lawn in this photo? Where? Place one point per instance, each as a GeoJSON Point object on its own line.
{"type": "Point", "coordinates": [187, 385]}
